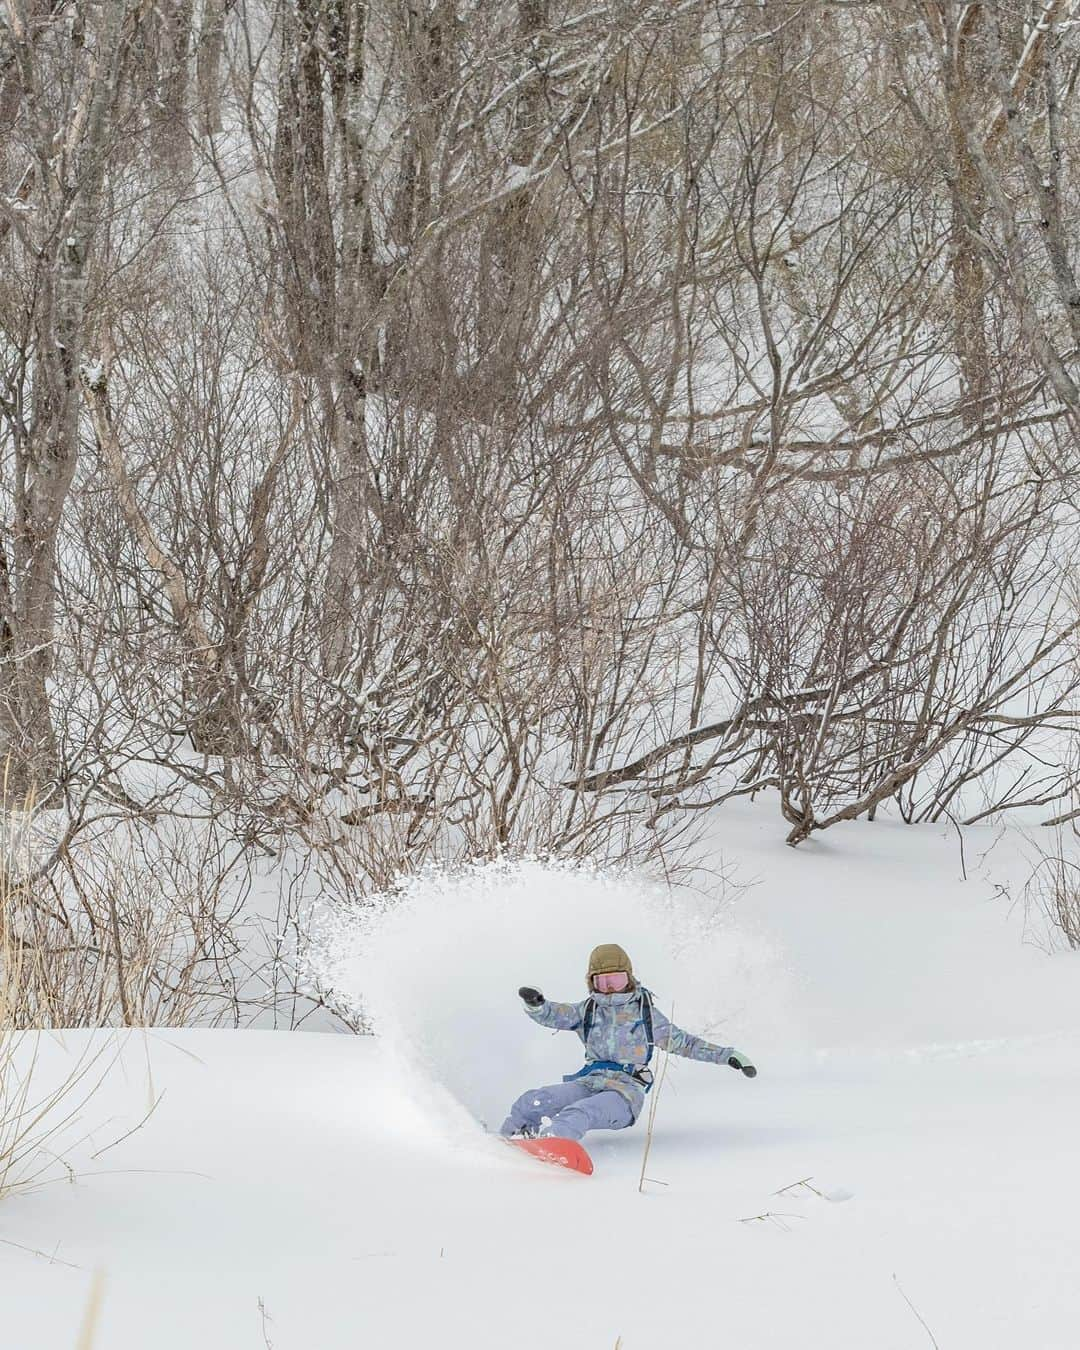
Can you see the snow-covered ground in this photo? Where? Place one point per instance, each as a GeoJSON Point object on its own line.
{"type": "Point", "coordinates": [919, 1057]}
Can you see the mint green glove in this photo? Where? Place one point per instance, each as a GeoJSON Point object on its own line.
{"type": "Point", "coordinates": [740, 1061]}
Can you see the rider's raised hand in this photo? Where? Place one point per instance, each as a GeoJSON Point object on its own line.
{"type": "Point", "coordinates": [740, 1061]}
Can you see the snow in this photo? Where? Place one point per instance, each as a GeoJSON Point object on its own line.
{"type": "Point", "coordinates": [93, 373]}
{"type": "Point", "coordinates": [903, 1166]}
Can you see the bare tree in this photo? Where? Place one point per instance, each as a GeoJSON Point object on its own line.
{"type": "Point", "coordinates": [65, 91]}
{"type": "Point", "coordinates": [433, 432]}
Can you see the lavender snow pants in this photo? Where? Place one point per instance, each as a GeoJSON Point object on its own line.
{"type": "Point", "coordinates": [570, 1108]}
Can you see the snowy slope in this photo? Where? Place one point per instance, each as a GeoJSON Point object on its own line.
{"type": "Point", "coordinates": [915, 1053]}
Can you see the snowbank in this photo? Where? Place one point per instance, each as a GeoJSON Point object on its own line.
{"type": "Point", "coordinates": [330, 1192]}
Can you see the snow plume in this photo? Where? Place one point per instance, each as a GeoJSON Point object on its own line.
{"type": "Point", "coordinates": [435, 966]}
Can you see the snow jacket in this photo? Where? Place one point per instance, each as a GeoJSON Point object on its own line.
{"type": "Point", "coordinates": [618, 1034]}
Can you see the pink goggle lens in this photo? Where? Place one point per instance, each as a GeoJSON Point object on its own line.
{"type": "Point", "coordinates": [613, 983]}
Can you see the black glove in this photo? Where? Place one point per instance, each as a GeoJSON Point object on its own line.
{"type": "Point", "coordinates": [533, 997]}
{"type": "Point", "coordinates": [739, 1061]}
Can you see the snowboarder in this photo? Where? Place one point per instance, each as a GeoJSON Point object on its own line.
{"type": "Point", "coordinates": [618, 1027]}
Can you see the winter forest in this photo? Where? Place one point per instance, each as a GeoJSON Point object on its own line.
{"type": "Point", "coordinates": [549, 442]}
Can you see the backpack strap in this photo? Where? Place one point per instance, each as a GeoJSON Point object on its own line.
{"type": "Point", "coordinates": [647, 1019]}
{"type": "Point", "coordinates": [587, 1019]}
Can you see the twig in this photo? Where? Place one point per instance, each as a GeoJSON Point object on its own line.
{"type": "Point", "coordinates": [774, 1217]}
{"type": "Point", "coordinates": [960, 836]}
{"type": "Point", "coordinates": [804, 1182]}
{"type": "Point", "coordinates": [52, 1260]}
{"type": "Point", "coordinates": [918, 1314]}
{"type": "Point", "coordinates": [131, 1131]}
{"type": "Point", "coordinates": [265, 1318]}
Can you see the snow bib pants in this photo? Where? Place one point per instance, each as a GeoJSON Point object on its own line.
{"type": "Point", "coordinates": [568, 1110]}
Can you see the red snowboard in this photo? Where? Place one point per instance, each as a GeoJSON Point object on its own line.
{"type": "Point", "coordinates": [562, 1152]}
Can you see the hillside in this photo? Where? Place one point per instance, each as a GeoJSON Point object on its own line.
{"type": "Point", "coordinates": [919, 1064]}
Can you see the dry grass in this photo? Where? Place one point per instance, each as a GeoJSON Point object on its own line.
{"type": "Point", "coordinates": [92, 1313]}
{"type": "Point", "coordinates": [38, 1111]}
{"type": "Point", "coordinates": [129, 926]}
{"type": "Point", "coordinates": [654, 1098]}
{"type": "Point", "coordinates": [1054, 887]}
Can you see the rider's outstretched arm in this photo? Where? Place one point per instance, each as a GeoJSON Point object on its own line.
{"type": "Point", "coordinates": [557, 1016]}
{"type": "Point", "coordinates": [675, 1041]}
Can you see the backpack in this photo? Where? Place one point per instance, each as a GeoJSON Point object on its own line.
{"type": "Point", "coordinates": [588, 1016]}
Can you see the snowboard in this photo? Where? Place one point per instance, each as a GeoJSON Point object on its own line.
{"type": "Point", "coordinates": [561, 1152]}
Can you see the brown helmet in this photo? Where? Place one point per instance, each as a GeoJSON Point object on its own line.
{"type": "Point", "coordinates": [606, 959]}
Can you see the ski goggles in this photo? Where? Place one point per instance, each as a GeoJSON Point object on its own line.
{"type": "Point", "coordinates": [614, 982]}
